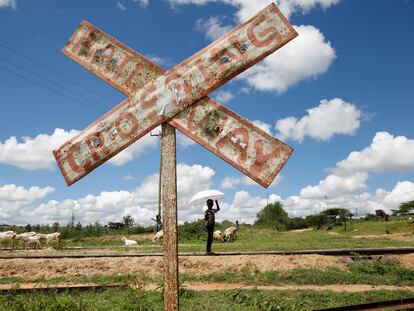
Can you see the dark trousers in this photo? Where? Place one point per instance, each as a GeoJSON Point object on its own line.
{"type": "Point", "coordinates": [210, 231]}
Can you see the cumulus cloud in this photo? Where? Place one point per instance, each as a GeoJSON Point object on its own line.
{"type": "Point", "coordinates": [229, 182]}
{"type": "Point", "coordinates": [14, 199]}
{"type": "Point", "coordinates": [307, 56]}
{"type": "Point", "coordinates": [17, 203]}
{"type": "Point", "coordinates": [361, 203]}
{"type": "Point", "coordinates": [224, 96]}
{"type": "Point", "coordinates": [331, 117]}
{"type": "Point", "coordinates": [247, 8]}
{"type": "Point", "coordinates": [33, 153]}
{"type": "Point", "coordinates": [334, 185]}
{"type": "Point", "coordinates": [165, 62]}
{"type": "Point", "coordinates": [36, 153]}
{"type": "Point", "coordinates": [386, 153]}
{"type": "Point", "coordinates": [211, 27]}
{"type": "Point", "coordinates": [8, 4]}
{"type": "Point", "coordinates": [135, 150]}
{"type": "Point", "coordinates": [263, 126]}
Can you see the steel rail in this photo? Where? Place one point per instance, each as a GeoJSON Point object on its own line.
{"type": "Point", "coordinates": [327, 252]}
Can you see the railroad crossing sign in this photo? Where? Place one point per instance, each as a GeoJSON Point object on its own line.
{"type": "Point", "coordinates": [177, 97]}
{"type": "Point", "coordinates": [156, 96]}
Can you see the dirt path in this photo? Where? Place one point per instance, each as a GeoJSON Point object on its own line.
{"type": "Point", "coordinates": [31, 269]}
{"type": "Point", "coordinates": [215, 286]}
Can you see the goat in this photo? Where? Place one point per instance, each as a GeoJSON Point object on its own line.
{"type": "Point", "coordinates": [128, 242]}
{"type": "Point", "coordinates": [230, 234]}
{"type": "Point", "coordinates": [8, 236]}
{"type": "Point", "coordinates": [158, 236]}
{"type": "Point", "coordinates": [217, 236]}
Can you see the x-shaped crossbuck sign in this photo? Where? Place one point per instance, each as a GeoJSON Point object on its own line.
{"type": "Point", "coordinates": [178, 96]}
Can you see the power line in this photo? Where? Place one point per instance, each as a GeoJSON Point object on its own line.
{"type": "Point", "coordinates": [49, 88]}
{"type": "Point", "coordinates": [55, 72]}
{"type": "Point", "coordinates": [51, 81]}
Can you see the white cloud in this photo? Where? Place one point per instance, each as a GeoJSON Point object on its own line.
{"type": "Point", "coordinates": [233, 182]}
{"type": "Point", "coordinates": [8, 3]}
{"type": "Point", "coordinates": [135, 150]}
{"type": "Point", "coordinates": [12, 192]}
{"type": "Point", "coordinates": [247, 8]}
{"type": "Point", "coordinates": [17, 203]}
{"type": "Point", "coordinates": [120, 6]}
{"type": "Point", "coordinates": [334, 185]}
{"type": "Point", "coordinates": [142, 3]}
{"type": "Point", "coordinates": [165, 62]}
{"type": "Point", "coordinates": [128, 177]}
{"type": "Point", "coordinates": [14, 199]}
{"type": "Point", "coordinates": [386, 153]}
{"type": "Point", "coordinates": [263, 125]}
{"type": "Point", "coordinates": [33, 153]}
{"type": "Point", "coordinates": [224, 96]}
{"type": "Point", "coordinates": [307, 56]}
{"type": "Point", "coordinates": [331, 117]}
{"type": "Point", "coordinates": [183, 141]}
{"type": "Point", "coordinates": [211, 27]}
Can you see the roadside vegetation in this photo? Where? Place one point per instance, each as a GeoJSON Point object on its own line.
{"type": "Point", "coordinates": [242, 300]}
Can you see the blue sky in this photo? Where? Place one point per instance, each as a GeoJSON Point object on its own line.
{"type": "Point", "coordinates": [340, 94]}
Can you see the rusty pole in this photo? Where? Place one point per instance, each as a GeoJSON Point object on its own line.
{"type": "Point", "coordinates": [169, 210]}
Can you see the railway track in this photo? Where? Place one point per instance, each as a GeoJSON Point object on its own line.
{"type": "Point", "coordinates": [327, 252]}
{"type": "Point", "coordinates": [401, 304]}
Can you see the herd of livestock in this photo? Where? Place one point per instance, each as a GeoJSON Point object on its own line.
{"type": "Point", "coordinates": [37, 240]}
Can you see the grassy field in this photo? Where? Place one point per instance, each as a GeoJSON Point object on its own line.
{"type": "Point", "coordinates": [243, 300]}
{"type": "Point", "coordinates": [255, 239]}
{"type": "Point", "coordinates": [359, 234]}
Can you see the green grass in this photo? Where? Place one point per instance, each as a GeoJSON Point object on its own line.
{"type": "Point", "coordinates": [377, 227]}
{"type": "Point", "coordinates": [254, 239]}
{"type": "Point", "coordinates": [243, 300]}
{"type": "Point", "coordinates": [361, 272]}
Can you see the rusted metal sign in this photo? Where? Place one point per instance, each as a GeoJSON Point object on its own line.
{"type": "Point", "coordinates": [157, 96]}
{"type": "Point", "coordinates": [209, 123]}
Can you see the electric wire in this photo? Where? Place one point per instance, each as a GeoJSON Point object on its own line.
{"type": "Point", "coordinates": [52, 82]}
{"type": "Point", "coordinates": [49, 88]}
{"type": "Point", "coordinates": [56, 73]}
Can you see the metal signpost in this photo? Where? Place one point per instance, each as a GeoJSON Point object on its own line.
{"type": "Point", "coordinates": [177, 99]}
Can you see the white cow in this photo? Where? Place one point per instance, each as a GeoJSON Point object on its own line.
{"type": "Point", "coordinates": [55, 236]}
{"type": "Point", "coordinates": [30, 240]}
{"type": "Point", "coordinates": [158, 236]}
{"type": "Point", "coordinates": [230, 234]}
{"type": "Point", "coordinates": [8, 236]}
{"type": "Point", "coordinates": [217, 236]}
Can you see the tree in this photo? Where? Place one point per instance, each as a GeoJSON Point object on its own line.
{"type": "Point", "coordinates": [28, 228]}
{"type": "Point", "coordinates": [55, 226]}
{"type": "Point", "coordinates": [405, 207]}
{"type": "Point", "coordinates": [381, 214]}
{"type": "Point", "coordinates": [128, 221]}
{"type": "Point", "coordinates": [332, 213]}
{"type": "Point", "coordinates": [344, 215]}
{"type": "Point", "coordinates": [318, 221]}
{"type": "Point", "coordinates": [273, 216]}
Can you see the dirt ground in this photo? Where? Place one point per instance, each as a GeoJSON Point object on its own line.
{"type": "Point", "coordinates": [31, 269]}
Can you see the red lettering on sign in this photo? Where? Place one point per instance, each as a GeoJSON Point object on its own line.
{"type": "Point", "coordinates": [241, 146]}
{"type": "Point", "coordinates": [143, 98]}
{"type": "Point", "coordinates": [133, 123]}
{"type": "Point", "coordinates": [84, 44]}
{"type": "Point", "coordinates": [261, 159]}
{"type": "Point", "coordinates": [96, 142]}
{"type": "Point", "coordinates": [72, 162]}
{"type": "Point", "coordinates": [171, 80]}
{"type": "Point", "coordinates": [271, 33]}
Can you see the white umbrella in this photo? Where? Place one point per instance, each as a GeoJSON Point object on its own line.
{"type": "Point", "coordinates": [201, 197]}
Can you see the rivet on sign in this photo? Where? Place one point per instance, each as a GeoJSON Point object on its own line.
{"type": "Point", "coordinates": [224, 59]}
{"type": "Point", "coordinates": [243, 48]}
{"type": "Point", "coordinates": [96, 143]}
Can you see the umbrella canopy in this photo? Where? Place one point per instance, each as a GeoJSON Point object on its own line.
{"type": "Point", "coordinates": [201, 197]}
